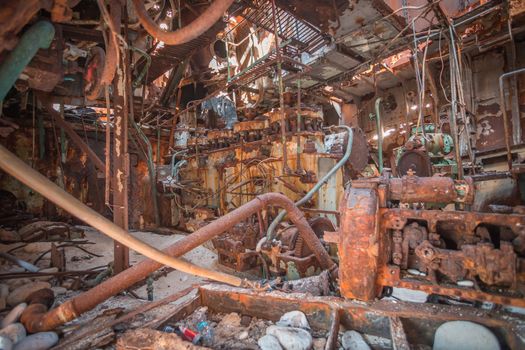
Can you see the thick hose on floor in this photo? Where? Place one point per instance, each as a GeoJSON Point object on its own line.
{"type": "Point", "coordinates": [36, 319]}
{"type": "Point", "coordinates": [33, 179]}
{"type": "Point", "coordinates": [189, 32]}
{"type": "Point", "coordinates": [310, 194]}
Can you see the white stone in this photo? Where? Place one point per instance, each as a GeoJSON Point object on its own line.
{"type": "Point", "coordinates": [269, 342]}
{"type": "Point", "coordinates": [414, 296]}
{"type": "Point", "coordinates": [295, 319]}
{"type": "Point", "coordinates": [465, 283]}
{"type": "Point", "coordinates": [353, 340]}
{"type": "Point", "coordinates": [14, 315]}
{"type": "Point", "coordinates": [59, 290]}
{"type": "Point", "coordinates": [464, 335]}
{"type": "Point", "coordinates": [243, 335]}
{"type": "Point", "coordinates": [20, 294]}
{"type": "Point", "coordinates": [38, 341]}
{"type": "Point", "coordinates": [291, 338]}
{"type": "Point", "coordinates": [5, 343]}
{"type": "Point", "coordinates": [15, 332]}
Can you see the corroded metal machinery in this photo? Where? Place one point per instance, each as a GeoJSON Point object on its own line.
{"type": "Point", "coordinates": [426, 152]}
{"type": "Point", "coordinates": [388, 239]}
{"type": "Point", "coordinates": [221, 169]}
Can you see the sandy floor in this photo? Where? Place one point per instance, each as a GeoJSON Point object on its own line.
{"type": "Point", "coordinates": [79, 260]}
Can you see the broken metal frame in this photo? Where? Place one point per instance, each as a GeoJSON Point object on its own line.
{"type": "Point", "coordinates": [417, 321]}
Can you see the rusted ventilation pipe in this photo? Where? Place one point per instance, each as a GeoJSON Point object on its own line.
{"type": "Point", "coordinates": [188, 32]}
{"type": "Point", "coordinates": [36, 318]}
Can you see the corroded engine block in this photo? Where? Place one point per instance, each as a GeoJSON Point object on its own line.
{"type": "Point", "coordinates": [384, 242]}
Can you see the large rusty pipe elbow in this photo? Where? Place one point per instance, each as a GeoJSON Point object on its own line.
{"type": "Point", "coordinates": [71, 309]}
{"type": "Point", "coordinates": [112, 53]}
{"type": "Point", "coordinates": [188, 32]}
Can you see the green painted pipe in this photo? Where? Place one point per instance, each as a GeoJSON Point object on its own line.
{"type": "Point", "coordinates": [39, 36]}
{"type": "Point", "coordinates": [318, 185]}
{"type": "Point", "coordinates": [379, 134]}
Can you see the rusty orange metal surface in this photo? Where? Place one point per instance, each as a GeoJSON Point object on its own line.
{"type": "Point", "coordinates": [470, 255]}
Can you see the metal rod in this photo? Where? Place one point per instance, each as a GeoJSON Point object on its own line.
{"type": "Point", "coordinates": [453, 109]}
{"type": "Point", "coordinates": [281, 89]}
{"type": "Point", "coordinates": [379, 126]}
{"type": "Point", "coordinates": [506, 125]}
{"type": "Point", "coordinates": [299, 122]}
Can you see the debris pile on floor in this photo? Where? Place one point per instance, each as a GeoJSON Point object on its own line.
{"type": "Point", "coordinates": [230, 331]}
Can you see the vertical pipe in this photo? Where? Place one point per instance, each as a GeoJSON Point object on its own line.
{"type": "Point", "coordinates": [453, 102]}
{"type": "Point", "coordinates": [506, 125]}
{"type": "Point", "coordinates": [379, 126]}
{"type": "Point", "coordinates": [299, 122]}
{"type": "Point", "coordinates": [281, 88]}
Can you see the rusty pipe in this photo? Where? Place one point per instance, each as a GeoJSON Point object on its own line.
{"type": "Point", "coordinates": [11, 164]}
{"type": "Point", "coordinates": [112, 52]}
{"type": "Point", "coordinates": [414, 189]}
{"type": "Point", "coordinates": [189, 32]}
{"type": "Point", "coordinates": [43, 321]}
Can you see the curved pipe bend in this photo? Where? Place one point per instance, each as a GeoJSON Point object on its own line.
{"type": "Point", "coordinates": [38, 319]}
{"type": "Point", "coordinates": [189, 32]}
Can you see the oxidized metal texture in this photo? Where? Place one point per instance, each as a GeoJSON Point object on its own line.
{"type": "Point", "coordinates": [236, 248]}
{"type": "Point", "coordinates": [471, 255]}
{"type": "Point", "coordinates": [14, 15]}
{"type": "Point", "coordinates": [359, 244]}
{"type": "Point", "coordinates": [414, 189]}
{"type": "Point", "coordinates": [47, 103]}
{"type": "Point", "coordinates": [414, 161]}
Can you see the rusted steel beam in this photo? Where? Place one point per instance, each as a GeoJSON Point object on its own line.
{"type": "Point", "coordinates": [48, 106]}
{"type": "Point", "coordinates": [333, 332]}
{"type": "Point", "coordinates": [120, 164]}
